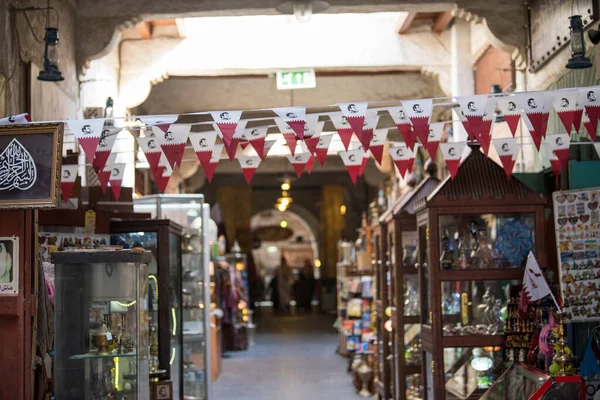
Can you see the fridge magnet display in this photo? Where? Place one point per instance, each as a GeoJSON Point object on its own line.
{"type": "Point", "coordinates": [9, 265]}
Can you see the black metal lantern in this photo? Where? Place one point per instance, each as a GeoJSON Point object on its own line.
{"type": "Point", "coordinates": [496, 89]}
{"type": "Point", "coordinates": [51, 72]}
{"type": "Point", "coordinates": [578, 59]}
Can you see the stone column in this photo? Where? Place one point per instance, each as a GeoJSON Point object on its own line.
{"type": "Point", "coordinates": [463, 83]}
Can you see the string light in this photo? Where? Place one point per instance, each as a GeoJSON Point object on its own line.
{"type": "Point", "coordinates": [126, 304]}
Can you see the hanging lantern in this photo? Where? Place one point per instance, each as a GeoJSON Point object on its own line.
{"type": "Point", "coordinates": [498, 116]}
{"type": "Point", "coordinates": [51, 72]}
{"type": "Point", "coordinates": [578, 59]}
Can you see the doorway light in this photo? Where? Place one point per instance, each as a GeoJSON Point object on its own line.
{"type": "Point", "coordinates": [283, 224]}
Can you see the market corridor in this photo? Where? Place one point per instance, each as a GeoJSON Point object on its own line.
{"type": "Point", "coordinates": [293, 358]}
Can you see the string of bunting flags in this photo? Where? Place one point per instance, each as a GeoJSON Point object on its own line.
{"type": "Point", "coordinates": [165, 138]}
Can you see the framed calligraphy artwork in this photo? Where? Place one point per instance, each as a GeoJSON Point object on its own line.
{"type": "Point", "coordinates": [30, 165]}
{"type": "Point", "coordinates": [9, 266]}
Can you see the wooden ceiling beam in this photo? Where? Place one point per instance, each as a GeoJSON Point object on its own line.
{"type": "Point", "coordinates": [405, 21]}
{"type": "Point", "coordinates": [441, 22]}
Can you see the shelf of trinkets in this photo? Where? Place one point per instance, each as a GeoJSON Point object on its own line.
{"type": "Point", "coordinates": [519, 332]}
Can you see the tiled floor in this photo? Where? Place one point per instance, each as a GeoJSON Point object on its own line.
{"type": "Point", "coordinates": [293, 359]}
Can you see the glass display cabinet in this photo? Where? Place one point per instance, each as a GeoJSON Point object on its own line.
{"type": "Point", "coordinates": [101, 324]}
{"type": "Point", "coordinates": [474, 233]}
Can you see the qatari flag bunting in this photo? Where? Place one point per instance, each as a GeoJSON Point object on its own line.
{"type": "Point", "coordinates": [299, 161]}
{"type": "Point", "coordinates": [484, 136]}
{"type": "Point", "coordinates": [268, 145]}
{"type": "Point", "coordinates": [288, 134]}
{"type": "Point", "coordinates": [227, 122]}
{"type": "Point", "coordinates": [589, 98]}
{"type": "Point", "coordinates": [537, 112]}
{"type": "Point", "coordinates": [295, 117]}
{"type": "Point", "coordinates": [310, 163]}
{"type": "Point", "coordinates": [355, 114]}
{"type": "Point", "coordinates": [452, 153]}
{"type": "Point", "coordinates": [352, 159]}
{"type": "Point", "coordinates": [19, 119]}
{"type": "Point", "coordinates": [163, 181]}
{"type": "Point", "coordinates": [465, 122]}
{"type": "Point", "coordinates": [589, 127]}
{"type": "Point", "coordinates": [554, 163]}
{"type": "Point", "coordinates": [436, 130]}
{"type": "Point", "coordinates": [232, 144]}
{"type": "Point", "coordinates": [312, 132]}
{"type": "Point", "coordinates": [343, 128]}
{"type": "Point", "coordinates": [87, 132]}
{"type": "Point", "coordinates": [419, 113]}
{"type": "Point", "coordinates": [68, 177]}
{"type": "Point", "coordinates": [106, 143]}
{"type": "Point", "coordinates": [323, 148]}
{"type": "Point", "coordinates": [510, 111]}
{"type": "Point", "coordinates": [366, 154]}
{"type": "Point", "coordinates": [151, 149]}
{"type": "Point", "coordinates": [508, 150]}
{"type": "Point", "coordinates": [403, 157]}
{"type": "Point", "coordinates": [162, 122]}
{"type": "Point", "coordinates": [404, 125]}
{"type": "Point", "coordinates": [210, 167]}
{"type": "Point", "coordinates": [377, 144]}
{"type": "Point", "coordinates": [104, 174]}
{"type": "Point", "coordinates": [203, 144]}
{"type": "Point", "coordinates": [369, 125]}
{"type": "Point", "coordinates": [473, 108]}
{"type": "Point", "coordinates": [597, 147]}
{"type": "Point", "coordinates": [249, 165]}
{"type": "Point", "coordinates": [117, 172]}
{"type": "Point", "coordinates": [173, 141]}
{"type": "Point", "coordinates": [559, 144]}
{"type": "Point", "coordinates": [256, 136]}
{"type": "Point", "coordinates": [566, 104]}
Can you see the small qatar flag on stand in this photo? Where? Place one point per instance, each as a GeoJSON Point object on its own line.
{"type": "Point", "coordinates": [436, 130]}
{"type": "Point", "coordinates": [369, 125]}
{"type": "Point", "coordinates": [295, 117]}
{"type": "Point", "coordinates": [452, 153]}
{"type": "Point", "coordinates": [473, 108]}
{"type": "Point", "coordinates": [511, 112]}
{"type": "Point", "coordinates": [151, 149]}
{"type": "Point", "coordinates": [323, 148]}
{"type": "Point", "coordinates": [377, 144]}
{"type": "Point", "coordinates": [249, 165]}
{"type": "Point", "coordinates": [589, 98]}
{"type": "Point", "coordinates": [211, 166]}
{"type": "Point", "coordinates": [589, 127]}
{"type": "Point", "coordinates": [403, 157]}
{"type": "Point", "coordinates": [355, 114]}
{"type": "Point", "coordinates": [87, 132]}
{"type": "Point", "coordinates": [16, 120]}
{"type": "Point", "coordinates": [108, 137]}
{"type": "Point", "coordinates": [256, 136]}
{"type": "Point", "coordinates": [173, 141]}
{"type": "Point", "coordinates": [299, 161]}
{"type": "Point", "coordinates": [352, 159]}
{"type": "Point", "coordinates": [535, 286]}
{"type": "Point", "coordinates": [419, 113]}
{"type": "Point", "coordinates": [536, 110]}
{"type": "Point", "coordinates": [68, 177]}
{"type": "Point", "coordinates": [162, 122]}
{"type": "Point", "coordinates": [203, 144]}
{"type": "Point", "coordinates": [117, 172]}
{"type": "Point", "coordinates": [343, 128]}
{"type": "Point", "coordinates": [566, 104]}
{"type": "Point", "coordinates": [559, 144]}
{"type": "Point", "coordinates": [508, 151]}
{"type": "Point", "coordinates": [231, 145]}
{"type": "Point", "coordinates": [404, 125]}
{"type": "Point", "coordinates": [227, 122]}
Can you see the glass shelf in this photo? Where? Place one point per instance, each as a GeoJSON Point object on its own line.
{"type": "Point", "coordinates": [87, 356]}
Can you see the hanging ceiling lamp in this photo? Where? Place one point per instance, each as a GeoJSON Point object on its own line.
{"type": "Point", "coordinates": [51, 73]}
{"type": "Point", "coordinates": [302, 9]}
{"type": "Point", "coordinates": [578, 59]}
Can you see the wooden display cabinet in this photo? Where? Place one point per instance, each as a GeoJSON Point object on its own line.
{"type": "Point", "coordinates": [474, 233]}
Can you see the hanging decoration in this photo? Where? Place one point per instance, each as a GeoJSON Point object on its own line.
{"type": "Point", "coordinates": [211, 166]}
{"type": "Point", "coordinates": [484, 135]}
{"type": "Point", "coordinates": [536, 111]}
{"type": "Point", "coordinates": [473, 108]}
{"type": "Point", "coordinates": [419, 113]}
{"type": "Point", "coordinates": [452, 153]}
{"type": "Point", "coordinates": [404, 125]}
{"type": "Point", "coordinates": [299, 161]}
{"type": "Point", "coordinates": [68, 177]}
{"type": "Point", "coordinates": [108, 137]}
{"type": "Point", "coordinates": [152, 152]}
{"type": "Point", "coordinates": [173, 142]}
{"type": "Point", "coordinates": [436, 130]}
{"type": "Point", "coordinates": [294, 117]}
{"type": "Point", "coordinates": [312, 132]}
{"type": "Point", "coordinates": [565, 104]}
{"type": "Point", "coordinates": [589, 126]}
{"type": "Point", "coordinates": [403, 157]}
{"type": "Point", "coordinates": [16, 120]}
{"type": "Point", "coordinates": [365, 154]}
{"type": "Point", "coordinates": [355, 115]}
{"type": "Point", "coordinates": [590, 100]}
{"type": "Point", "coordinates": [87, 132]}
{"type": "Point", "coordinates": [323, 148]}
{"type": "Point", "coordinates": [510, 111]}
{"type": "Point", "coordinates": [226, 122]}
{"type": "Point", "coordinates": [203, 144]}
{"type": "Point", "coordinates": [343, 128]}
{"type": "Point", "coordinates": [559, 144]}
{"type": "Point", "coordinates": [162, 122]}
{"type": "Point", "coordinates": [554, 163]}
{"type": "Point", "coordinates": [369, 125]}
{"type": "Point", "coordinates": [352, 159]}
{"type": "Point", "coordinates": [116, 178]}
{"type": "Point", "coordinates": [288, 134]}
{"type": "Point", "coordinates": [249, 165]}
{"type": "Point", "coordinates": [231, 145]}
{"type": "Point", "coordinates": [508, 151]}
{"type": "Point", "coordinates": [268, 145]}
{"type": "Point", "coordinates": [310, 164]}
{"type": "Point", "coordinates": [256, 136]}
{"type": "Point", "coordinates": [377, 144]}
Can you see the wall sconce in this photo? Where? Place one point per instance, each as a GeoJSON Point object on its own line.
{"type": "Point", "coordinates": [51, 73]}
{"type": "Point", "coordinates": [578, 59]}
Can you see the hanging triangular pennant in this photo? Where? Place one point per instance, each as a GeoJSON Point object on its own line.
{"type": "Point", "coordinates": [577, 115]}
{"type": "Point", "coordinates": [484, 136]}
{"type": "Point", "coordinates": [203, 144]}
{"type": "Point", "coordinates": [565, 104]}
{"type": "Point", "coordinates": [419, 113]}
{"type": "Point", "coordinates": [404, 125]}
{"type": "Point", "coordinates": [173, 142]}
{"type": "Point", "coordinates": [559, 144]}
{"type": "Point", "coordinates": [313, 129]}
{"type": "Point", "coordinates": [256, 136]}
{"type": "Point", "coordinates": [244, 144]}
{"type": "Point", "coordinates": [108, 137]}
{"type": "Point", "coordinates": [210, 166]}
{"type": "Point", "coordinates": [465, 122]}
{"type": "Point", "coordinates": [162, 122]}
{"type": "Point", "coordinates": [510, 111]}
{"type": "Point", "coordinates": [589, 127]}
{"type": "Point", "coordinates": [537, 111]}
{"type": "Point", "coordinates": [323, 148]}
{"type": "Point", "coordinates": [403, 157]}
{"type": "Point", "coordinates": [226, 122]}
{"type": "Point", "coordinates": [268, 145]}
{"type": "Point", "coordinates": [87, 132]}
{"type": "Point", "coordinates": [369, 125]}
{"type": "Point", "coordinates": [355, 115]}
{"type": "Point", "coordinates": [299, 161]}
{"type": "Point", "coordinates": [555, 163]}
{"type": "Point", "coordinates": [343, 128]}
{"type": "Point", "coordinates": [231, 145]}
{"type": "Point", "coordinates": [352, 159]}
{"type": "Point", "coordinates": [473, 108]}
{"type": "Point", "coordinates": [436, 130]}
{"type": "Point", "coordinates": [377, 144]}
{"type": "Point", "coordinates": [288, 134]}
{"type": "Point", "coordinates": [19, 119]}
{"type": "Point", "coordinates": [295, 117]}
{"type": "Point", "coordinates": [249, 165]}
{"type": "Point", "coordinates": [116, 178]}
{"type": "Point", "coordinates": [164, 179]}
{"type": "Point", "coordinates": [151, 149]}
{"type": "Point", "coordinates": [310, 163]}
{"type": "Point", "coordinates": [366, 154]}
{"type": "Point", "coordinates": [589, 98]}
{"type": "Point", "coordinates": [535, 136]}
{"type": "Point", "coordinates": [508, 150]}
{"type": "Point", "coordinates": [68, 177]}
{"type": "Point", "coordinates": [452, 153]}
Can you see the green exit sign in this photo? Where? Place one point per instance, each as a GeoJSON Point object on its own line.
{"type": "Point", "coordinates": [301, 79]}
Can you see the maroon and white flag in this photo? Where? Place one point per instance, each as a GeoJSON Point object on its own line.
{"type": "Point", "coordinates": [452, 153]}
{"type": "Point", "coordinates": [288, 133]}
{"type": "Point", "coordinates": [487, 126]}
{"type": "Point", "coordinates": [377, 144]}
{"type": "Point", "coordinates": [323, 148]}
{"type": "Point", "coordinates": [404, 125]}
{"type": "Point", "coordinates": [536, 109]}
{"type": "Point", "coordinates": [352, 159]}
{"type": "Point", "coordinates": [465, 122]}
{"type": "Point", "coordinates": [554, 163]}
{"type": "Point", "coordinates": [104, 174]}
{"type": "Point", "coordinates": [203, 144]}
{"type": "Point", "coordinates": [369, 125]}
{"type": "Point", "coordinates": [210, 167]}
{"type": "Point", "coordinates": [299, 161]}
{"type": "Point", "coordinates": [19, 119]}
{"type": "Point", "coordinates": [589, 98]}
{"type": "Point", "coordinates": [355, 114]}
{"type": "Point", "coordinates": [436, 130]}
{"type": "Point", "coordinates": [117, 172]}
{"type": "Point", "coordinates": [310, 163]}
{"type": "Point", "coordinates": [256, 136]}
{"type": "Point", "coordinates": [268, 145]}
{"type": "Point", "coordinates": [164, 178]}
{"type": "Point", "coordinates": [559, 144]}
{"type": "Point", "coordinates": [173, 142]}
{"type": "Point", "coordinates": [162, 122]}
{"type": "Point", "coordinates": [473, 108]}
{"type": "Point", "coordinates": [403, 156]}
{"type": "Point", "coordinates": [589, 126]}
{"type": "Point", "coordinates": [366, 154]}
{"type": "Point", "coordinates": [152, 151]}
{"type": "Point", "coordinates": [68, 177]}
{"type": "Point", "coordinates": [87, 132]}
{"type": "Point", "coordinates": [419, 113]}
{"type": "Point", "coordinates": [249, 165]}
{"type": "Point", "coordinates": [312, 132]}
{"type": "Point", "coordinates": [508, 151]}
{"type": "Point", "coordinates": [295, 117]}
{"type": "Point", "coordinates": [597, 147]}
{"type": "Point", "coordinates": [566, 105]}
{"type": "Point", "coordinates": [108, 137]}
{"type": "Point", "coordinates": [227, 122]}
{"type": "Point", "coordinates": [231, 145]}
{"type": "Point", "coordinates": [511, 112]}
{"type": "Point", "coordinates": [343, 128]}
